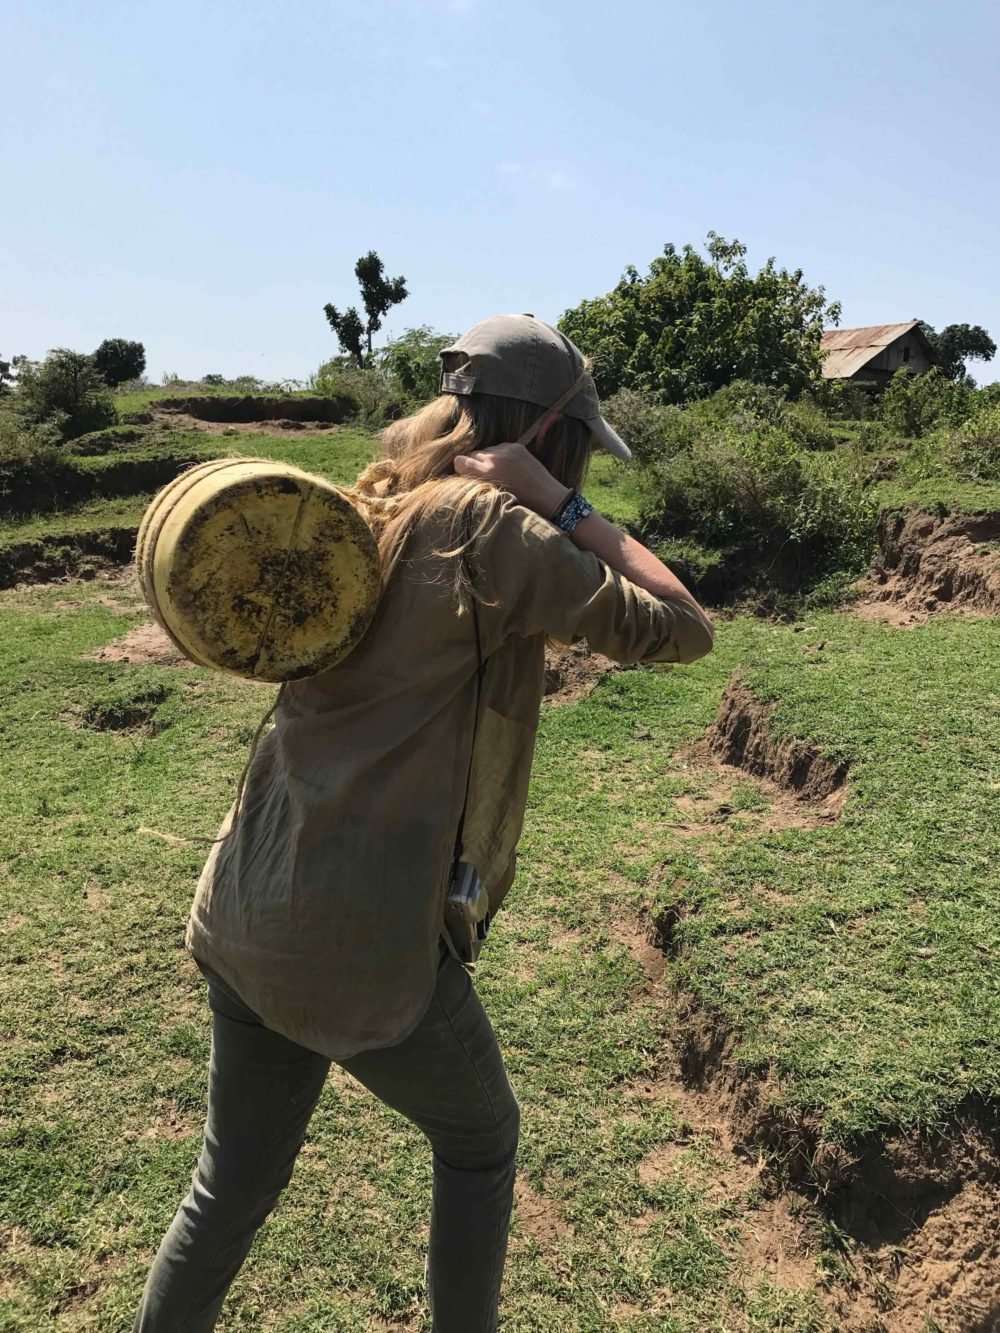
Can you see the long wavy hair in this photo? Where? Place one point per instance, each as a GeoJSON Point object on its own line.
{"type": "Point", "coordinates": [415, 480]}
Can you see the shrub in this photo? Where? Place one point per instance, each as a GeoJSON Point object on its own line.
{"type": "Point", "coordinates": [66, 389]}
{"type": "Point", "coordinates": [652, 431]}
{"type": "Point", "coordinates": [119, 360]}
{"type": "Point", "coordinates": [412, 361]}
{"type": "Point", "coordinates": [373, 397]}
{"type": "Point", "coordinates": [645, 426]}
{"type": "Point", "coordinates": [808, 425]}
{"type": "Point", "coordinates": [32, 463]}
{"type": "Point", "coordinates": [844, 400]}
{"type": "Point", "coordinates": [756, 492]}
{"type": "Point", "coordinates": [912, 405]}
{"type": "Point", "coordinates": [976, 446]}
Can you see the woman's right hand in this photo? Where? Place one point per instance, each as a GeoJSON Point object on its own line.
{"type": "Point", "coordinates": [515, 469]}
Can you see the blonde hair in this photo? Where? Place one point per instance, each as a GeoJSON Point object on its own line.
{"type": "Point", "coordinates": [415, 481]}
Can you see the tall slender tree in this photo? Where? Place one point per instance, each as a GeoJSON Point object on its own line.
{"type": "Point", "coordinates": [378, 295]}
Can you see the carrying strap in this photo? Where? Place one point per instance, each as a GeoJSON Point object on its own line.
{"type": "Point", "coordinates": [557, 406]}
{"type": "Point", "coordinates": [480, 673]}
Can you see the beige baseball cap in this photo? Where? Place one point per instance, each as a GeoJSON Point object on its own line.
{"type": "Point", "coordinates": [519, 356]}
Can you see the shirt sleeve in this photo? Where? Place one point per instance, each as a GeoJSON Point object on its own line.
{"type": "Point", "coordinates": [535, 580]}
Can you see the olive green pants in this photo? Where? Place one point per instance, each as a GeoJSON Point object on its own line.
{"type": "Point", "coordinates": [447, 1077]}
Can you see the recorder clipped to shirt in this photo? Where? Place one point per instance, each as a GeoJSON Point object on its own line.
{"type": "Point", "coordinates": [466, 913]}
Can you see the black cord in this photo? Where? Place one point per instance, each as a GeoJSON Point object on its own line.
{"type": "Point", "coordinates": [480, 673]}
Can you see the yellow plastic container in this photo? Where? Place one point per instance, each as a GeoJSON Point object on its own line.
{"type": "Point", "coordinates": [258, 568]}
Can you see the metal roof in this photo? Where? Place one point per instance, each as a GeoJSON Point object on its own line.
{"type": "Point", "coordinates": [845, 351]}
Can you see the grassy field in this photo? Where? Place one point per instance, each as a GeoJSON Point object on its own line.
{"type": "Point", "coordinates": [844, 959]}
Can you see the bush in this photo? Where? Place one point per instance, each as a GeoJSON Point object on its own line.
{"type": "Point", "coordinates": [373, 396]}
{"type": "Point", "coordinates": [67, 390]}
{"type": "Point", "coordinates": [913, 405]}
{"type": "Point", "coordinates": [976, 446]}
{"type": "Point", "coordinates": [645, 426]}
{"type": "Point", "coordinates": [32, 463]}
{"type": "Point", "coordinates": [652, 431]}
{"type": "Point", "coordinates": [844, 400]}
{"type": "Point", "coordinates": [412, 362]}
{"type": "Point", "coordinates": [757, 493]}
{"type": "Point", "coordinates": [118, 360]}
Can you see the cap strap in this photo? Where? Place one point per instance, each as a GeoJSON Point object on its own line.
{"type": "Point", "coordinates": [557, 406]}
{"type": "Point", "coordinates": [452, 381]}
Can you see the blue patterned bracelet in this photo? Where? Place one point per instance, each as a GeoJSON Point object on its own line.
{"type": "Point", "coordinates": [573, 510]}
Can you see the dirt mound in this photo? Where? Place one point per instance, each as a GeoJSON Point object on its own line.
{"type": "Point", "coordinates": [741, 735]}
{"type": "Point", "coordinates": [219, 407]}
{"type": "Point", "coordinates": [918, 1217]}
{"type": "Point", "coordinates": [930, 562]}
{"type": "Point", "coordinates": [126, 710]}
{"type": "Point", "coordinates": [915, 1219]}
{"type": "Point", "coordinates": [80, 555]}
{"type": "Point", "coordinates": [146, 645]}
{"type": "Point", "coordinates": [572, 673]}
{"type": "Point", "coordinates": [71, 480]}
{"type": "Point", "coordinates": [182, 421]}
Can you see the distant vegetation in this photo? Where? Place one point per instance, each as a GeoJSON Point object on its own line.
{"type": "Point", "coordinates": [957, 344]}
{"type": "Point", "coordinates": [119, 360]}
{"type": "Point", "coordinates": [756, 477]}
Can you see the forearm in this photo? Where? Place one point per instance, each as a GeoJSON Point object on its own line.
{"type": "Point", "coordinates": [630, 559]}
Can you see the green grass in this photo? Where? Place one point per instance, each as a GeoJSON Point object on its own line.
{"type": "Point", "coordinates": [854, 962]}
{"type": "Point", "coordinates": [613, 488]}
{"type": "Point", "coordinates": [937, 493]}
{"type": "Point", "coordinates": [120, 512]}
{"type": "Point", "coordinates": [141, 399]}
{"type": "Point", "coordinates": [857, 961]}
{"type": "Point", "coordinates": [340, 456]}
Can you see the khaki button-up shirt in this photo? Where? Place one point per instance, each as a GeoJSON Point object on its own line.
{"type": "Point", "coordinates": [323, 909]}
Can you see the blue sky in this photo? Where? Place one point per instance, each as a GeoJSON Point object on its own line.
{"type": "Point", "coordinates": [203, 176]}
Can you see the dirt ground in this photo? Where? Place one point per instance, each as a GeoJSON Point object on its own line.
{"type": "Point", "coordinates": [930, 563]}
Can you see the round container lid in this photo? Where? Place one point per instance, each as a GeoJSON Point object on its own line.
{"type": "Point", "coordinates": [262, 570]}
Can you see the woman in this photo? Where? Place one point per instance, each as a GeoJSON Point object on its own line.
{"type": "Point", "coordinates": [318, 920]}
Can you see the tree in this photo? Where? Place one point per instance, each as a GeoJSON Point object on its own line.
{"type": "Point", "coordinates": [66, 388]}
{"type": "Point", "coordinates": [958, 343]}
{"type": "Point", "coordinates": [378, 294]}
{"type": "Point", "coordinates": [693, 325]}
{"type": "Point", "coordinates": [119, 360]}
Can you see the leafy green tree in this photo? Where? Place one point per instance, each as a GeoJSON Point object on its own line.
{"type": "Point", "coordinates": [67, 389]}
{"type": "Point", "coordinates": [412, 360]}
{"type": "Point", "coordinates": [912, 405]}
{"type": "Point", "coordinates": [958, 343]}
{"type": "Point", "coordinates": [378, 295]}
{"type": "Point", "coordinates": [119, 360]}
{"type": "Point", "coordinates": [694, 324]}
